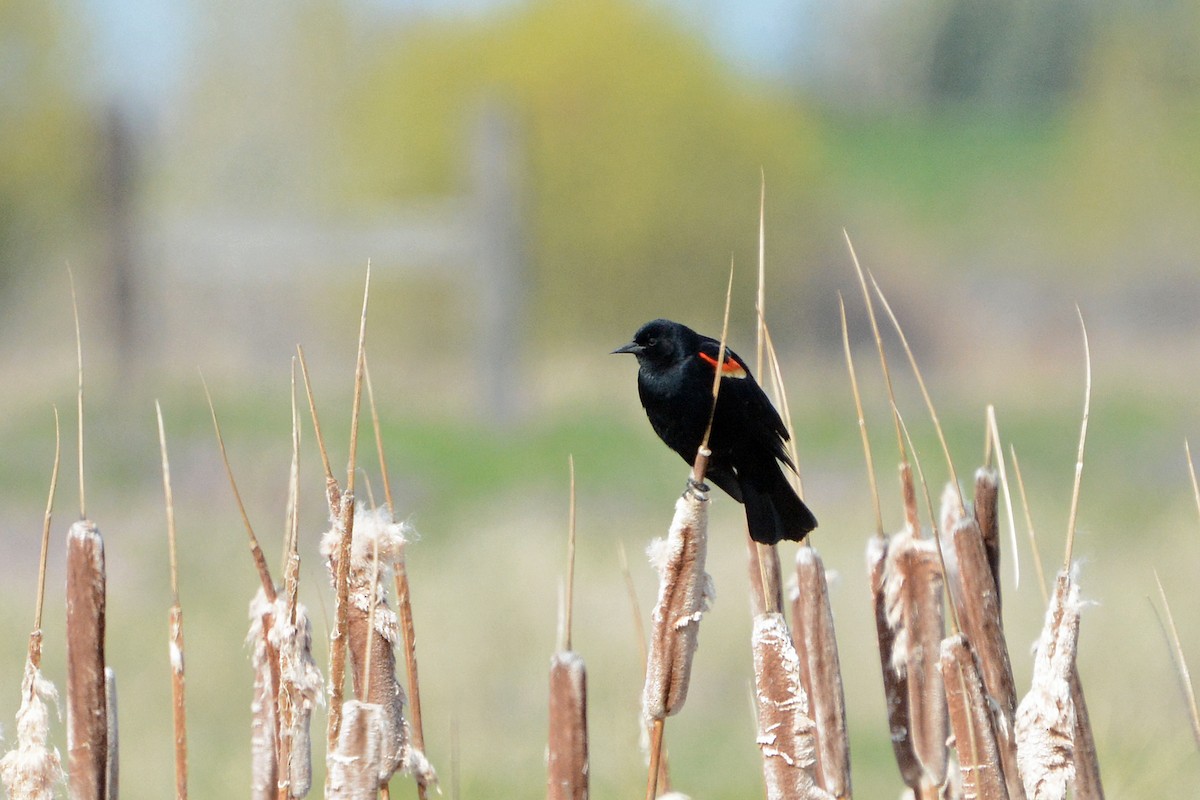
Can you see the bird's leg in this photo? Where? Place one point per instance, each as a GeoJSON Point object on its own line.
{"type": "Point", "coordinates": [697, 488]}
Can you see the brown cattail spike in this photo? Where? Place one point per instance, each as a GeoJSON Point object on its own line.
{"type": "Point", "coordinates": [820, 671]}
{"type": "Point", "coordinates": [1045, 720]}
{"type": "Point", "coordinates": [786, 732]}
{"type": "Point", "coordinates": [567, 753]}
{"type": "Point", "coordinates": [913, 597]}
{"type": "Point", "coordinates": [974, 736]}
{"type": "Point", "coordinates": [87, 715]}
{"type": "Point", "coordinates": [895, 684]}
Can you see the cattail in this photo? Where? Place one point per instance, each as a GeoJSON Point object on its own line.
{"type": "Point", "coordinates": [978, 609]}
{"type": "Point", "coordinates": [987, 497]}
{"type": "Point", "coordinates": [87, 715]}
{"type": "Point", "coordinates": [371, 645]}
{"type": "Point", "coordinates": [33, 769]}
{"type": "Point", "coordinates": [300, 689]}
{"type": "Point", "coordinates": [567, 753]}
{"type": "Point", "coordinates": [567, 765]}
{"type": "Point", "coordinates": [820, 671]}
{"type": "Point", "coordinates": [684, 594]}
{"type": "Point", "coordinates": [360, 757]}
{"type": "Point", "coordinates": [913, 600]}
{"type": "Point", "coordinates": [264, 764]}
{"type": "Point", "coordinates": [787, 735]}
{"type": "Point", "coordinates": [1045, 722]}
{"type": "Point", "coordinates": [971, 721]}
{"type": "Point", "coordinates": [895, 684]}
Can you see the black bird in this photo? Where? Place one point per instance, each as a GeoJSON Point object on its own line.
{"type": "Point", "coordinates": [675, 379]}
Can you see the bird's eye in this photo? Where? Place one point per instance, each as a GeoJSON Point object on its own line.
{"type": "Point", "coordinates": [653, 340]}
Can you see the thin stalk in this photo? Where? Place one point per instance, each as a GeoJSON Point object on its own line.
{"type": "Point", "coordinates": [1087, 404]}
{"type": "Point", "coordinates": [256, 552]}
{"type": "Point", "coordinates": [175, 626]}
{"type": "Point", "coordinates": [41, 587]}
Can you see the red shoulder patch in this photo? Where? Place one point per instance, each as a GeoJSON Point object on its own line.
{"type": "Point", "coordinates": [729, 368]}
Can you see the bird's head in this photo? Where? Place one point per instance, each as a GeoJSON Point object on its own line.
{"type": "Point", "coordinates": [658, 343]}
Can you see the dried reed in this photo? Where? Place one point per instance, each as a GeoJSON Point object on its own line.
{"type": "Point", "coordinates": [567, 750]}
{"type": "Point", "coordinates": [175, 626]}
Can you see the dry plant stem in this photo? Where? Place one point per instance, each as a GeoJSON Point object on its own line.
{"type": "Point", "coordinates": [979, 614]}
{"type": "Point", "coordinates": [1037, 558]}
{"type": "Point", "coordinates": [178, 706]}
{"type": "Point", "coordinates": [971, 721]}
{"type": "Point", "coordinates": [895, 685]}
{"type": "Point", "coordinates": [1083, 426]}
{"type": "Point", "coordinates": [567, 753]}
{"type": "Point", "coordinates": [820, 671]}
{"type": "Point", "coordinates": [787, 735]}
{"type": "Point", "coordinates": [260, 561]}
{"type": "Point", "coordinates": [87, 716]}
{"type": "Point", "coordinates": [1181, 666]}
{"type": "Point", "coordinates": [175, 626]}
{"type": "Point", "coordinates": [41, 587]}
{"type": "Point", "coordinates": [862, 420]}
{"type": "Point", "coordinates": [656, 749]}
{"type": "Point", "coordinates": [912, 360]}
{"type": "Point", "coordinates": [766, 579]}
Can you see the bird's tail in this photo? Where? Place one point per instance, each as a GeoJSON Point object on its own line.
{"type": "Point", "coordinates": [775, 512]}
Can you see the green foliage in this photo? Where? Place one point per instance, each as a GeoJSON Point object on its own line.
{"type": "Point", "coordinates": [643, 154]}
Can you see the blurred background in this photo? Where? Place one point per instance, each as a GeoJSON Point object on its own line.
{"type": "Point", "coordinates": [530, 181]}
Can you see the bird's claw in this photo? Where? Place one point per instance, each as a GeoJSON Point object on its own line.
{"type": "Point", "coordinates": [697, 489]}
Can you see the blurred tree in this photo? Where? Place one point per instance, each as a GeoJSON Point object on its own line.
{"type": "Point", "coordinates": [643, 153]}
{"type": "Point", "coordinates": [46, 150]}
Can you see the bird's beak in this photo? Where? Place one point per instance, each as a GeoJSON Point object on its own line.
{"type": "Point", "coordinates": [632, 347]}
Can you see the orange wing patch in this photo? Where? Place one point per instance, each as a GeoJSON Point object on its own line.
{"type": "Point", "coordinates": [729, 368]}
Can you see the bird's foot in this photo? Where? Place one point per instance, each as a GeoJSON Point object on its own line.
{"type": "Point", "coordinates": [697, 489]}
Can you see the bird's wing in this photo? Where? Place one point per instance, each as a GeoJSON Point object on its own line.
{"type": "Point", "coordinates": [739, 388]}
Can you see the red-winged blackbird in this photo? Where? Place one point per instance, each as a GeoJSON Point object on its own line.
{"type": "Point", "coordinates": [675, 380]}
